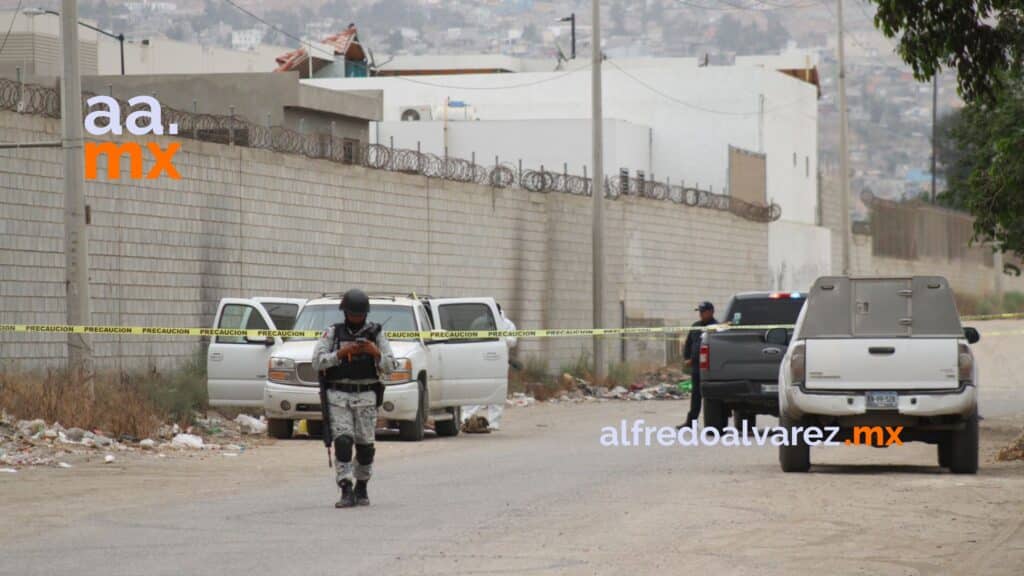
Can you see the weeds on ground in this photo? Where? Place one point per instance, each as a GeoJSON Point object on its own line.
{"type": "Point", "coordinates": [579, 367]}
{"type": "Point", "coordinates": [532, 372]}
{"type": "Point", "coordinates": [970, 305]}
{"type": "Point", "coordinates": [535, 370]}
{"type": "Point", "coordinates": [119, 403]}
{"type": "Point", "coordinates": [620, 374]}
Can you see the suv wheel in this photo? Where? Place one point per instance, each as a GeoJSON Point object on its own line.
{"type": "Point", "coordinates": [963, 447]}
{"type": "Point", "coordinates": [412, 431]}
{"type": "Point", "coordinates": [279, 428]}
{"type": "Point", "coordinates": [315, 428]}
{"type": "Point", "coordinates": [715, 414]}
{"type": "Point", "coordinates": [744, 420]}
{"type": "Point", "coordinates": [945, 453]}
{"type": "Point", "coordinates": [797, 456]}
{"type": "Point", "coordinates": [450, 427]}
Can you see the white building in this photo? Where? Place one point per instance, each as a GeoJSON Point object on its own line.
{"type": "Point", "coordinates": [668, 117]}
{"type": "Point", "coordinates": [34, 47]}
{"type": "Point", "coordinates": [247, 39]}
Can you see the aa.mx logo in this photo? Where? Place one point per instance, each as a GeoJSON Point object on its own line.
{"type": "Point", "coordinates": [145, 119]}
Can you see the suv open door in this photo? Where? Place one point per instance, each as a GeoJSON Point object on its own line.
{"type": "Point", "coordinates": [472, 371]}
{"type": "Point", "coordinates": [236, 366]}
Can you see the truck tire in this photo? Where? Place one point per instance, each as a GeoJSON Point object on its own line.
{"type": "Point", "coordinates": [450, 427]}
{"type": "Point", "coordinates": [797, 456]}
{"type": "Point", "coordinates": [315, 428]}
{"type": "Point", "coordinates": [715, 414]}
{"type": "Point", "coordinates": [943, 450]}
{"type": "Point", "coordinates": [280, 429]}
{"type": "Point", "coordinates": [742, 420]}
{"type": "Point", "coordinates": [963, 447]}
{"type": "Point", "coordinates": [412, 431]}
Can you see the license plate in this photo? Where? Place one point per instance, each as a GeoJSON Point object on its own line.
{"type": "Point", "coordinates": [772, 388]}
{"type": "Point", "coordinates": [881, 400]}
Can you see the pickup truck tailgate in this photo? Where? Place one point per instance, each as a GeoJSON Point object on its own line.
{"type": "Point", "coordinates": [742, 355]}
{"type": "Point", "coordinates": [882, 364]}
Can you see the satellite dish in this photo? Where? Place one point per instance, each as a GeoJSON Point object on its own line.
{"type": "Point", "coordinates": [410, 115]}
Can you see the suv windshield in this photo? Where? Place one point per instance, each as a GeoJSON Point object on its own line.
{"type": "Point", "coordinates": [764, 311]}
{"type": "Point", "coordinates": [320, 316]}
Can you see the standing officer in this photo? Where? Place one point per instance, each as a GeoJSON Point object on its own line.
{"type": "Point", "coordinates": [691, 354]}
{"type": "Point", "coordinates": [351, 357]}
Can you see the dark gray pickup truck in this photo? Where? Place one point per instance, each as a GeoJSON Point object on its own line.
{"type": "Point", "coordinates": [739, 369]}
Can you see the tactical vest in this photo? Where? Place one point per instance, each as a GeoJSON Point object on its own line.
{"type": "Point", "coordinates": [360, 366]}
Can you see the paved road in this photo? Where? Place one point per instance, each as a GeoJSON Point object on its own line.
{"type": "Point", "coordinates": [540, 497]}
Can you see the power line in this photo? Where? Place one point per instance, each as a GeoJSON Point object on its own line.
{"type": "Point", "coordinates": [405, 78]}
{"type": "Point", "coordinates": [11, 26]}
{"type": "Point", "coordinates": [698, 107]}
{"type": "Point", "coordinates": [853, 36]}
{"type": "Point", "coordinates": [730, 7]}
{"type": "Point", "coordinates": [505, 87]}
{"type": "Point", "coordinates": [277, 29]}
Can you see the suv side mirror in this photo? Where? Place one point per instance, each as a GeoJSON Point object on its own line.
{"type": "Point", "coordinates": [779, 336]}
{"type": "Point", "coordinates": [972, 335]}
{"type": "Point", "coordinates": [266, 341]}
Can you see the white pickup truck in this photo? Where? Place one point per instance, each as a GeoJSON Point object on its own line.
{"type": "Point", "coordinates": [881, 353]}
{"type": "Point", "coordinates": [433, 378]}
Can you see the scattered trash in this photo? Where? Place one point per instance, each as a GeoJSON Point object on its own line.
{"type": "Point", "coordinates": [1014, 451]}
{"type": "Point", "coordinates": [108, 458]}
{"type": "Point", "coordinates": [476, 425]}
{"type": "Point", "coordinates": [74, 434]}
{"type": "Point", "coordinates": [8, 470]}
{"type": "Point", "coordinates": [63, 465]}
{"type": "Point", "coordinates": [187, 441]}
{"type": "Point", "coordinates": [230, 453]}
{"type": "Point", "coordinates": [147, 444]}
{"type": "Point", "coordinates": [249, 425]}
{"type": "Point", "coordinates": [617, 392]}
{"type": "Point", "coordinates": [520, 399]}
{"type": "Point", "coordinates": [102, 441]}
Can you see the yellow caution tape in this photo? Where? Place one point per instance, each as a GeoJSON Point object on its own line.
{"type": "Point", "coordinates": [425, 335]}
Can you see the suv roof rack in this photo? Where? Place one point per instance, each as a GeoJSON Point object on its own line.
{"type": "Point", "coordinates": [391, 295]}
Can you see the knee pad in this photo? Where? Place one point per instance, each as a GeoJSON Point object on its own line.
{"type": "Point", "coordinates": [343, 448]}
{"type": "Point", "coordinates": [364, 453]}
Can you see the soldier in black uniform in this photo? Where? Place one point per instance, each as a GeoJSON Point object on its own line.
{"type": "Point", "coordinates": [691, 356]}
{"type": "Point", "coordinates": [351, 357]}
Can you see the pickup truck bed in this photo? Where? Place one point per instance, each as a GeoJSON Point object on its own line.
{"type": "Point", "coordinates": [740, 373]}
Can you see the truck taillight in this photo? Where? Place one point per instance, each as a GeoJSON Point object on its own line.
{"type": "Point", "coordinates": [965, 363]}
{"type": "Point", "coordinates": [705, 357]}
{"type": "Point", "coordinates": [798, 364]}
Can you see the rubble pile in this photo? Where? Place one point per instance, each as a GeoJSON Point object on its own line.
{"type": "Point", "coordinates": [34, 443]}
{"type": "Point", "coordinates": [1014, 451]}
{"type": "Point", "coordinates": [660, 384]}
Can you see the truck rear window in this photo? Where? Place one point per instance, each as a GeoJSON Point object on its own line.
{"type": "Point", "coordinates": [764, 311]}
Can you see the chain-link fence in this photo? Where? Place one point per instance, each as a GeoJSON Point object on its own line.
{"type": "Point", "coordinates": [236, 130]}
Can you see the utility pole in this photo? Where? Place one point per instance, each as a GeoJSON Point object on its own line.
{"type": "Point", "coordinates": [935, 105]}
{"type": "Point", "coordinates": [572, 33]}
{"type": "Point", "coordinates": [76, 236]}
{"type": "Point", "coordinates": [844, 153]}
{"type": "Point", "coordinates": [597, 188]}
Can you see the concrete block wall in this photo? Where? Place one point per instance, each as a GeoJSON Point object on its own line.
{"type": "Point", "coordinates": [965, 277]}
{"type": "Point", "coordinates": [244, 222]}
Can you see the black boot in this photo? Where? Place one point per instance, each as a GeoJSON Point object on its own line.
{"type": "Point", "coordinates": [361, 497]}
{"type": "Point", "coordinates": [348, 497]}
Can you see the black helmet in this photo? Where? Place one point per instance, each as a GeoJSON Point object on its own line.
{"type": "Point", "coordinates": [355, 301]}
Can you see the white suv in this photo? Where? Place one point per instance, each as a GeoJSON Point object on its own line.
{"type": "Point", "coordinates": [881, 353]}
{"type": "Point", "coordinates": [432, 378]}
